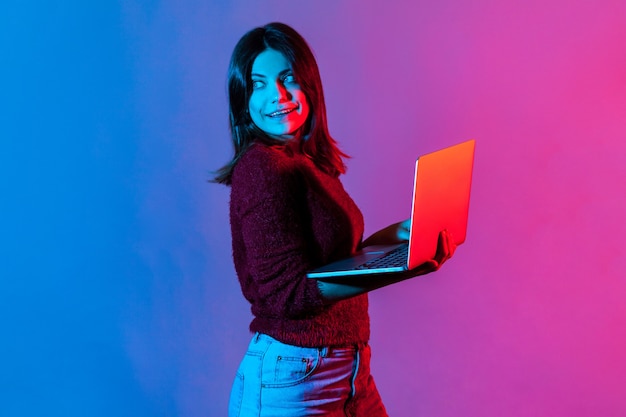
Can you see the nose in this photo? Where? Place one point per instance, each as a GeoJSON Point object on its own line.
{"type": "Point", "coordinates": [280, 93]}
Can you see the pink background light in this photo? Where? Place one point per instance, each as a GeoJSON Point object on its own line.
{"type": "Point", "coordinates": [130, 115]}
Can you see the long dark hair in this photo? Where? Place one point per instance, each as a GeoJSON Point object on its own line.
{"type": "Point", "coordinates": [317, 142]}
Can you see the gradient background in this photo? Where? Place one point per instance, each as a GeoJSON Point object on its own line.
{"type": "Point", "coordinates": [118, 296]}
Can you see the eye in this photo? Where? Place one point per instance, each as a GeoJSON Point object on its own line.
{"type": "Point", "coordinates": [256, 84]}
{"type": "Point", "coordinates": [289, 78]}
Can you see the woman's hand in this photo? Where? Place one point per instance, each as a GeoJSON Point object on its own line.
{"type": "Point", "coordinates": [342, 289]}
{"type": "Point", "coordinates": [400, 232]}
{"type": "Point", "coordinates": [445, 249]}
{"type": "Point", "coordinates": [394, 233]}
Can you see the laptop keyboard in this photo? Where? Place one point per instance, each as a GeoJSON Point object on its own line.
{"type": "Point", "coordinates": [396, 257]}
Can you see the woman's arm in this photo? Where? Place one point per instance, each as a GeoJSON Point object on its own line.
{"type": "Point", "coordinates": [334, 291]}
{"type": "Point", "coordinates": [271, 246]}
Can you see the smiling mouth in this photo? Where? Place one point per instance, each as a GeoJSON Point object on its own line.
{"type": "Point", "coordinates": [282, 112]}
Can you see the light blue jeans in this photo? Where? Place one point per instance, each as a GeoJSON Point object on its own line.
{"type": "Point", "coordinates": [280, 380]}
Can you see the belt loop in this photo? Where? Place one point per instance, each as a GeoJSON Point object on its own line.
{"type": "Point", "coordinates": [324, 352]}
{"type": "Point", "coordinates": [357, 366]}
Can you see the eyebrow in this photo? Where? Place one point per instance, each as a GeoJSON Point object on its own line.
{"type": "Point", "coordinates": [280, 74]}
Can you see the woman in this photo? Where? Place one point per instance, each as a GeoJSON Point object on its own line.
{"type": "Point", "coordinates": [290, 213]}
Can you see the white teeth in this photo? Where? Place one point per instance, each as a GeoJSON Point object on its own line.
{"type": "Point", "coordinates": [281, 112]}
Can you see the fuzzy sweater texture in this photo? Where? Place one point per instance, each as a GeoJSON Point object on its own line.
{"type": "Point", "coordinates": [288, 217]}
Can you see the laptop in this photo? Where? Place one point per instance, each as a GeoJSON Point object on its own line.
{"type": "Point", "coordinates": [441, 194]}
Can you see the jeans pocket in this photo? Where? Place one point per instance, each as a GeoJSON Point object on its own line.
{"type": "Point", "coordinates": [292, 369]}
{"type": "Point", "coordinates": [289, 365]}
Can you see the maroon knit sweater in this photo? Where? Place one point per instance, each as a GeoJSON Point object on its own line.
{"type": "Point", "coordinates": [287, 217]}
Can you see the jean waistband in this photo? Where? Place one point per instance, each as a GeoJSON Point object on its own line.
{"type": "Point", "coordinates": [325, 351]}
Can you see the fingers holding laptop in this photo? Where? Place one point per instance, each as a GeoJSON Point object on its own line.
{"type": "Point", "coordinates": [445, 248]}
{"type": "Point", "coordinates": [394, 233]}
{"type": "Point", "coordinates": [403, 231]}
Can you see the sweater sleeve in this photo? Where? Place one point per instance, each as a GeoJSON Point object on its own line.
{"type": "Point", "coordinates": [267, 201]}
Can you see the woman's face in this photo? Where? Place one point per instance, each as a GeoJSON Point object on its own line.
{"type": "Point", "coordinates": [277, 105]}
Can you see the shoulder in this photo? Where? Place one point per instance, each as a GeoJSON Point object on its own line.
{"type": "Point", "coordinates": [262, 160]}
{"type": "Point", "coordinates": [265, 168]}
{"type": "Point", "coordinates": [262, 155]}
